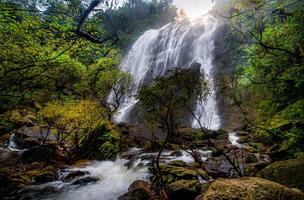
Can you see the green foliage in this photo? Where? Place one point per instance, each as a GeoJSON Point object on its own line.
{"type": "Point", "coordinates": [71, 120]}
{"type": "Point", "coordinates": [273, 71]}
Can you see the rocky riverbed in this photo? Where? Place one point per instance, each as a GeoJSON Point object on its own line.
{"type": "Point", "coordinates": [38, 172]}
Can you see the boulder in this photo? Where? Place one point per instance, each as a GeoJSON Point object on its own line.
{"type": "Point", "coordinates": [45, 153]}
{"type": "Point", "coordinates": [174, 173]}
{"type": "Point", "coordinates": [251, 158]}
{"type": "Point", "coordinates": [138, 190]}
{"type": "Point", "coordinates": [218, 167]}
{"type": "Point", "coordinates": [276, 153]}
{"type": "Point", "coordinates": [288, 172]}
{"type": "Point", "coordinates": [138, 194]}
{"type": "Point", "coordinates": [249, 188]}
{"type": "Point", "coordinates": [185, 189]}
{"type": "Point", "coordinates": [140, 184]}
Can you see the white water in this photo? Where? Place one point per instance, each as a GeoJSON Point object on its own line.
{"type": "Point", "coordinates": [178, 44]}
{"type": "Point", "coordinates": [114, 176]}
{"type": "Point", "coordinates": [233, 138]}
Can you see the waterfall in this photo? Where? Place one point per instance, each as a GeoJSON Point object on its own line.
{"type": "Point", "coordinates": [178, 44]}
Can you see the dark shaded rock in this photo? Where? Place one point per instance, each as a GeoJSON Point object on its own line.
{"type": "Point", "coordinates": [215, 152]}
{"type": "Point", "coordinates": [176, 153]}
{"type": "Point", "coordinates": [244, 139]}
{"type": "Point", "coordinates": [44, 178]}
{"type": "Point", "coordinates": [46, 153]}
{"type": "Point", "coordinates": [288, 172]}
{"type": "Point", "coordinates": [73, 175]}
{"type": "Point", "coordinates": [140, 184]}
{"type": "Point", "coordinates": [185, 189]}
{"type": "Point", "coordinates": [276, 153]}
{"type": "Point", "coordinates": [251, 158]}
{"type": "Point", "coordinates": [249, 188]}
{"type": "Point", "coordinates": [85, 180]}
{"type": "Point", "coordinates": [218, 167]}
{"type": "Point", "coordinates": [253, 168]}
{"type": "Point", "coordinates": [138, 194]}
{"type": "Point", "coordinates": [242, 133]}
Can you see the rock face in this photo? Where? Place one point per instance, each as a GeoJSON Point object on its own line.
{"type": "Point", "coordinates": [249, 188]}
{"type": "Point", "coordinates": [288, 172]}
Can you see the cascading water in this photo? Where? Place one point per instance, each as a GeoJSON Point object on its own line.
{"type": "Point", "coordinates": [114, 177]}
{"type": "Point", "coordinates": [179, 44]}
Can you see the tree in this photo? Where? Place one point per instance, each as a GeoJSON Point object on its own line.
{"type": "Point", "coordinates": [108, 84]}
{"type": "Point", "coordinates": [167, 100]}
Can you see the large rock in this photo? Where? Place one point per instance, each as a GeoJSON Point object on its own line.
{"type": "Point", "coordinates": [27, 137]}
{"type": "Point", "coordinates": [140, 184]}
{"type": "Point", "coordinates": [249, 188]}
{"type": "Point", "coordinates": [46, 153]}
{"type": "Point", "coordinates": [287, 172]}
{"type": "Point", "coordinates": [138, 194]}
{"type": "Point", "coordinates": [185, 189]}
{"type": "Point", "coordinates": [138, 190]}
{"type": "Point", "coordinates": [174, 173]}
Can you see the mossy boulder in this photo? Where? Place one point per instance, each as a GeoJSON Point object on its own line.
{"type": "Point", "coordinates": [174, 173]}
{"type": "Point", "coordinates": [138, 190]}
{"type": "Point", "coordinates": [287, 172]}
{"type": "Point", "coordinates": [185, 189]}
{"type": "Point", "coordinates": [249, 188]}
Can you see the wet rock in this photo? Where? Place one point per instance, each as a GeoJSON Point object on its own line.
{"type": "Point", "coordinates": [85, 180]}
{"type": "Point", "coordinates": [32, 192]}
{"type": "Point", "coordinates": [218, 167]}
{"type": "Point", "coordinates": [176, 153]}
{"type": "Point", "coordinates": [288, 172]}
{"type": "Point", "coordinates": [185, 189]}
{"type": "Point", "coordinates": [73, 175]}
{"type": "Point", "coordinates": [249, 188]}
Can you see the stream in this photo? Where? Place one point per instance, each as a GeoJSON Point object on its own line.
{"type": "Point", "coordinates": [112, 178]}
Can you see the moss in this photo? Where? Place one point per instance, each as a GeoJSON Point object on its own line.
{"type": "Point", "coordinates": [249, 188]}
{"type": "Point", "coordinates": [288, 172]}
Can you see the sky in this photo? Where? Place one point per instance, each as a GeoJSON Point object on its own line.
{"type": "Point", "coordinates": [194, 8]}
